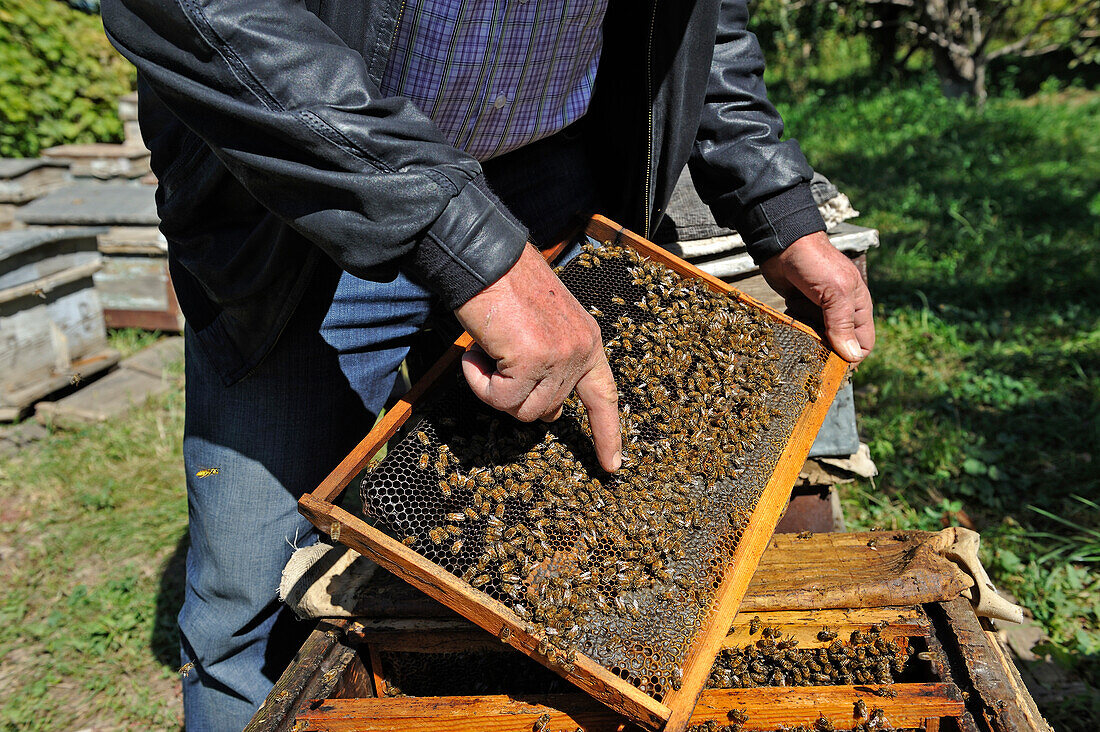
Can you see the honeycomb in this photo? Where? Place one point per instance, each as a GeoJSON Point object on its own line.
{"type": "Point", "coordinates": [623, 568]}
{"type": "Point", "coordinates": [867, 658]}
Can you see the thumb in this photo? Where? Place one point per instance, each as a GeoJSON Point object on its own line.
{"type": "Point", "coordinates": [839, 314]}
{"type": "Point", "coordinates": [478, 369]}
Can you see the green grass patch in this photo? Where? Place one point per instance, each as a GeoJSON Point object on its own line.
{"type": "Point", "coordinates": [983, 395]}
{"type": "Point", "coordinates": [93, 525]}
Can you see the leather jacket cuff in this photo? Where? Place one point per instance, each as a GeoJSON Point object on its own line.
{"type": "Point", "coordinates": [775, 223]}
{"type": "Point", "coordinates": [471, 245]}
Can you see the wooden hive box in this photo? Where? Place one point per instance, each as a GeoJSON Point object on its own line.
{"type": "Point", "coordinates": [134, 282]}
{"type": "Point", "coordinates": [730, 559]}
{"type": "Point", "coordinates": [52, 329]}
{"type": "Point", "coordinates": [959, 675]}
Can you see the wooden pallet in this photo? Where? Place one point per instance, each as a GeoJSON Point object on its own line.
{"type": "Point", "coordinates": [966, 682]}
{"type": "Point", "coordinates": [673, 712]}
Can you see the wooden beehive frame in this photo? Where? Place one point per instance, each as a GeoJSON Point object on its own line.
{"type": "Point", "coordinates": [355, 699]}
{"type": "Point", "coordinates": [674, 712]}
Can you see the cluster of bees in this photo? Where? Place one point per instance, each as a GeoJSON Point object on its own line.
{"type": "Point", "coordinates": [524, 513]}
{"type": "Point", "coordinates": [872, 720]}
{"type": "Point", "coordinates": [773, 660]}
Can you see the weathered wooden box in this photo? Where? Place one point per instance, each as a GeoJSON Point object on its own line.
{"type": "Point", "coordinates": [959, 676]}
{"type": "Point", "coordinates": [52, 330]}
{"type": "Point", "coordinates": [23, 180]}
{"type": "Point", "coordinates": [134, 282]}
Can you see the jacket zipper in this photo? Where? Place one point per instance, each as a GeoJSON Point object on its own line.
{"type": "Point", "coordinates": [649, 105]}
{"type": "Point", "coordinates": [397, 25]}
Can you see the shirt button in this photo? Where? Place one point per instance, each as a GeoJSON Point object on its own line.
{"type": "Point", "coordinates": [500, 101]}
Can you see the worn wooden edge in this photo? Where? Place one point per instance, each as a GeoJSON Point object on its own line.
{"type": "Point", "coordinates": [999, 697]}
{"type": "Point", "coordinates": [45, 285]}
{"type": "Point", "coordinates": [766, 708]}
{"type": "Point", "coordinates": [483, 610]}
{"type": "Point", "coordinates": [446, 635]}
{"type": "Point", "coordinates": [377, 676]}
{"type": "Point", "coordinates": [754, 541]}
{"type": "Point", "coordinates": [86, 367]}
{"type": "Point", "coordinates": [315, 671]}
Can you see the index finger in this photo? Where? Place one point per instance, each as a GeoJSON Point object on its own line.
{"type": "Point", "coordinates": [596, 390]}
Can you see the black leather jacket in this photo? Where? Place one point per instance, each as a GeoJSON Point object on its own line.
{"type": "Point", "coordinates": [276, 152]}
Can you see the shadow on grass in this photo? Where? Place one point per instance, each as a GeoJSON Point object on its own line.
{"type": "Point", "coordinates": [165, 639]}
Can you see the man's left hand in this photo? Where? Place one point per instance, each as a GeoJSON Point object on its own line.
{"type": "Point", "coordinates": [812, 268]}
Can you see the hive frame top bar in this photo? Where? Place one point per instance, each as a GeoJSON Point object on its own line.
{"type": "Point", "coordinates": [674, 711]}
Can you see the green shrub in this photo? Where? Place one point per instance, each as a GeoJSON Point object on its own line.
{"type": "Point", "coordinates": [60, 79]}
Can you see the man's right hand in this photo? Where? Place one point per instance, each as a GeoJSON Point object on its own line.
{"type": "Point", "coordinates": [535, 345]}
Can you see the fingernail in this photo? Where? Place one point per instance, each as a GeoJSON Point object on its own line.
{"type": "Point", "coordinates": [617, 461]}
{"type": "Point", "coordinates": [851, 347]}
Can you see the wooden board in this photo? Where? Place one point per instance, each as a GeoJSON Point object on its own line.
{"type": "Point", "coordinates": [767, 708]}
{"type": "Point", "coordinates": [675, 711]}
{"type": "Point", "coordinates": [322, 668]}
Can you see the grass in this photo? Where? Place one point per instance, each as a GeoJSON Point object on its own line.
{"type": "Point", "coordinates": [982, 401]}
{"type": "Point", "coordinates": [91, 530]}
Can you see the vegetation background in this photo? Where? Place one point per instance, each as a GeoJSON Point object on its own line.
{"type": "Point", "coordinates": [981, 403]}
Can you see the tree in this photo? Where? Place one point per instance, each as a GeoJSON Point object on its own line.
{"type": "Point", "coordinates": [965, 36]}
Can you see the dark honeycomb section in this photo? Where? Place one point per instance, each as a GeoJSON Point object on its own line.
{"type": "Point", "coordinates": [623, 568]}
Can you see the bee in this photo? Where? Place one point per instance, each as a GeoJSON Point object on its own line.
{"type": "Point", "coordinates": [456, 547]}
{"type": "Point", "coordinates": [75, 379]}
{"type": "Point", "coordinates": [805, 535]}
{"type": "Point", "coordinates": [425, 460]}
{"type": "Point", "coordinates": [423, 437]}
{"type": "Point", "coordinates": [445, 488]}
{"type": "Point", "coordinates": [456, 516]}
{"type": "Point", "coordinates": [186, 668]}
{"type": "Point", "coordinates": [541, 723]}
{"type": "Point", "coordinates": [885, 692]}
{"type": "Point", "coordinates": [505, 633]}
{"type": "Point", "coordinates": [409, 540]}
{"type": "Point", "coordinates": [480, 580]}
{"type": "Point", "coordinates": [877, 717]}
{"type": "Point", "coordinates": [825, 634]}
{"type": "Point", "coordinates": [873, 544]}
{"type": "Point", "coordinates": [823, 724]}
{"type": "Point", "coordinates": [595, 312]}
{"type": "Point", "coordinates": [754, 625]}
{"type": "Point", "coordinates": [860, 710]}
{"type": "Point", "coordinates": [737, 716]}
{"type": "Point", "coordinates": [677, 678]}
{"type": "Point", "coordinates": [206, 472]}
{"type": "Point", "coordinates": [437, 535]}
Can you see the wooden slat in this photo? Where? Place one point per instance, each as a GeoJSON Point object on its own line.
{"type": "Point", "coordinates": [752, 545]}
{"type": "Point", "coordinates": [315, 672]}
{"type": "Point", "coordinates": [804, 625]}
{"type": "Point", "coordinates": [377, 676]}
{"type": "Point", "coordinates": [858, 569]}
{"type": "Point", "coordinates": [483, 610]}
{"type": "Point", "coordinates": [1005, 704]}
{"type": "Point", "coordinates": [767, 708]}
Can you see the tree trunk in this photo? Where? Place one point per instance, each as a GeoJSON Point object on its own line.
{"type": "Point", "coordinates": [960, 75]}
{"type": "Point", "coordinates": [884, 38]}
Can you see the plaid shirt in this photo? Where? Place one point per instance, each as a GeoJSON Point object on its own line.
{"type": "Point", "coordinates": [495, 75]}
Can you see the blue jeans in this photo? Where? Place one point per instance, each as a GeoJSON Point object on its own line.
{"type": "Point", "coordinates": [272, 437]}
{"type": "Point", "coordinates": [277, 433]}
